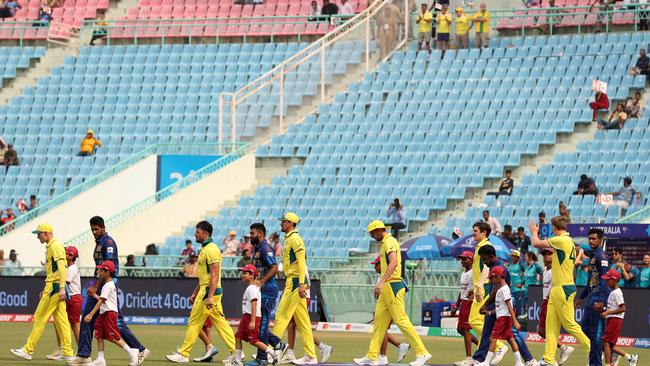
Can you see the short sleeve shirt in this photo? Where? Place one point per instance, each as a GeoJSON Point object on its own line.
{"type": "Point", "coordinates": [443, 22]}
{"type": "Point", "coordinates": [462, 24]}
{"type": "Point", "coordinates": [209, 254]}
{"type": "Point", "coordinates": [533, 274]}
{"type": "Point", "coordinates": [503, 295]}
{"type": "Point", "coordinates": [477, 265]}
{"type": "Point", "coordinates": [54, 252]}
{"type": "Point", "coordinates": [109, 295]}
{"type": "Point", "coordinates": [424, 26]}
{"type": "Point", "coordinates": [390, 245]}
{"type": "Point", "coordinates": [482, 26]}
{"type": "Point", "coordinates": [106, 250]}
{"type": "Point", "coordinates": [548, 283]}
{"type": "Point", "coordinates": [293, 244]}
{"type": "Point", "coordinates": [614, 301]}
{"type": "Point", "coordinates": [252, 293]}
{"type": "Point", "coordinates": [516, 276]}
{"type": "Point", "coordinates": [264, 259]}
{"type": "Point", "coordinates": [563, 259]}
{"type": "Point", "coordinates": [644, 276]}
{"type": "Point", "coordinates": [73, 280]}
{"type": "Point", "coordinates": [466, 284]}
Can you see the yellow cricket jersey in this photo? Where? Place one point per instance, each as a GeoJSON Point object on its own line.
{"type": "Point", "coordinates": [444, 22]}
{"type": "Point", "coordinates": [424, 24]}
{"type": "Point", "coordinates": [88, 144]}
{"type": "Point", "coordinates": [462, 24]}
{"type": "Point", "coordinates": [209, 254]}
{"type": "Point", "coordinates": [482, 26]}
{"type": "Point", "coordinates": [294, 256]}
{"type": "Point", "coordinates": [477, 266]}
{"type": "Point", "coordinates": [388, 245]}
{"type": "Point", "coordinates": [56, 267]}
{"type": "Point", "coordinates": [563, 259]}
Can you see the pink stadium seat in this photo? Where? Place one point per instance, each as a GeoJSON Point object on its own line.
{"type": "Point", "coordinates": [212, 12]}
{"type": "Point", "coordinates": [189, 12]}
{"type": "Point", "coordinates": [202, 11]}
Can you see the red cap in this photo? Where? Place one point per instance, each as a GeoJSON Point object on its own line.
{"type": "Point", "coordinates": [249, 268]}
{"type": "Point", "coordinates": [466, 254]}
{"type": "Point", "coordinates": [497, 271]}
{"type": "Point", "coordinates": [548, 250]}
{"type": "Point", "coordinates": [72, 250]}
{"type": "Point", "coordinates": [377, 260]}
{"type": "Point", "coordinates": [612, 274]}
{"type": "Point", "coordinates": [107, 265]}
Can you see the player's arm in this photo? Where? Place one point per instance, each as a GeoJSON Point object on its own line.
{"type": "Point", "coordinates": [534, 236]}
{"type": "Point", "coordinates": [273, 268]}
{"type": "Point", "coordinates": [62, 268]}
{"type": "Point", "coordinates": [390, 268]}
{"type": "Point", "coordinates": [481, 283]}
{"type": "Point", "coordinates": [92, 313]}
{"type": "Point", "coordinates": [215, 273]}
{"type": "Point", "coordinates": [301, 260]}
{"type": "Point", "coordinates": [620, 309]}
{"type": "Point", "coordinates": [194, 293]}
{"type": "Point", "coordinates": [512, 314]}
{"type": "Point", "coordinates": [603, 290]}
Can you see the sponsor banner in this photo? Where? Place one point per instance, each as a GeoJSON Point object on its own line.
{"type": "Point", "coordinates": [611, 230]}
{"type": "Point", "coordinates": [173, 168]}
{"type": "Point", "coordinates": [642, 343]}
{"type": "Point", "coordinates": [568, 339]}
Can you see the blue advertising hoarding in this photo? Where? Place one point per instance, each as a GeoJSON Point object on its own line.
{"type": "Point", "coordinates": [172, 168]}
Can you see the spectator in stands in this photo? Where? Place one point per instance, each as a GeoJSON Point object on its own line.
{"type": "Point", "coordinates": [462, 29]}
{"type": "Point", "coordinates": [13, 267]}
{"type": "Point", "coordinates": [275, 244]}
{"type": "Point", "coordinates": [2, 258]}
{"type": "Point", "coordinates": [616, 119]}
{"type": "Point", "coordinates": [188, 248]}
{"type": "Point", "coordinates": [191, 267]}
{"type": "Point", "coordinates": [388, 28]}
{"type": "Point", "coordinates": [482, 22]}
{"type": "Point", "coordinates": [11, 157]}
{"type": "Point", "coordinates": [623, 198]}
{"type": "Point", "coordinates": [246, 258]}
{"type": "Point", "coordinates": [246, 245]}
{"type": "Point", "coordinates": [505, 189]}
{"type": "Point", "coordinates": [564, 212]}
{"type": "Point", "coordinates": [522, 241]}
{"type": "Point", "coordinates": [89, 144]}
{"type": "Point", "coordinates": [581, 266]}
{"type": "Point", "coordinates": [642, 65]}
{"type": "Point", "coordinates": [424, 20]}
{"type": "Point", "coordinates": [600, 102]}
{"type": "Point", "coordinates": [456, 233]}
{"type": "Point", "coordinates": [329, 8]}
{"type": "Point", "coordinates": [638, 201]}
{"type": "Point", "coordinates": [130, 263]}
{"type": "Point", "coordinates": [44, 16]}
{"type": "Point", "coordinates": [628, 272]}
{"type": "Point", "coordinates": [507, 234]}
{"type": "Point", "coordinates": [443, 25]}
{"type": "Point", "coordinates": [643, 15]}
{"type": "Point", "coordinates": [8, 216]}
{"type": "Point", "coordinates": [3, 150]}
{"type": "Point", "coordinates": [644, 274]}
{"type": "Point", "coordinates": [9, 8]}
{"type": "Point", "coordinates": [346, 8]}
{"type": "Point", "coordinates": [314, 12]}
{"type": "Point", "coordinates": [634, 106]}
{"type": "Point", "coordinates": [541, 223]}
{"type": "Point", "coordinates": [495, 225]}
{"type": "Point", "coordinates": [231, 244]}
{"type": "Point", "coordinates": [586, 186]}
{"type": "Point", "coordinates": [21, 205]}
{"type": "Point", "coordinates": [100, 31]}
{"type": "Point", "coordinates": [33, 202]}
{"type": "Point", "coordinates": [396, 217]}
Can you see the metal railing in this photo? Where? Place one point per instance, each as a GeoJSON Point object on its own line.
{"type": "Point", "coordinates": [636, 217]}
{"type": "Point", "coordinates": [232, 152]}
{"type": "Point", "coordinates": [23, 30]}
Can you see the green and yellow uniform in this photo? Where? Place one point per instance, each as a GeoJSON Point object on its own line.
{"type": "Point", "coordinates": [484, 25]}
{"type": "Point", "coordinates": [209, 254]}
{"type": "Point", "coordinates": [561, 312]}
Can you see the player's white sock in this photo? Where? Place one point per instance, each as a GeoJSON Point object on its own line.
{"type": "Point", "coordinates": [518, 357]}
{"type": "Point", "coordinates": [209, 347]}
{"type": "Point", "coordinates": [269, 350]}
{"type": "Point", "coordinates": [290, 351]}
{"type": "Point", "coordinates": [321, 346]}
{"type": "Point", "coordinates": [127, 348]}
{"type": "Point", "coordinates": [100, 355]}
{"type": "Point", "coordinates": [628, 356]}
{"type": "Point", "coordinates": [489, 357]}
{"type": "Point", "coordinates": [238, 354]}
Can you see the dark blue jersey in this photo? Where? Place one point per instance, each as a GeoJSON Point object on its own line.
{"type": "Point", "coordinates": [596, 289]}
{"type": "Point", "coordinates": [264, 259]}
{"type": "Point", "coordinates": [106, 250]}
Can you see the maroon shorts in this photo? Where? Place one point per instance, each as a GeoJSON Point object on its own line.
{"type": "Point", "coordinates": [502, 329]}
{"type": "Point", "coordinates": [207, 325]}
{"type": "Point", "coordinates": [542, 315]}
{"type": "Point", "coordinates": [463, 314]}
{"type": "Point", "coordinates": [612, 330]}
{"type": "Point", "coordinates": [73, 308]}
{"type": "Point", "coordinates": [245, 334]}
{"type": "Point", "coordinates": [106, 326]}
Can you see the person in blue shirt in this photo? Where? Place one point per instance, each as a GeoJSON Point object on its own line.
{"type": "Point", "coordinates": [593, 297]}
{"type": "Point", "coordinates": [105, 250]}
{"type": "Point", "coordinates": [628, 272]}
{"type": "Point", "coordinates": [516, 270]}
{"type": "Point", "coordinates": [264, 261]}
{"type": "Point", "coordinates": [644, 275]}
{"type": "Point", "coordinates": [533, 274]}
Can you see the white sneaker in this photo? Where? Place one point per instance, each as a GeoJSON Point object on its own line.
{"type": "Point", "coordinates": [287, 358]}
{"type": "Point", "coordinates": [236, 362]}
{"type": "Point", "coordinates": [209, 352]}
{"type": "Point", "coordinates": [421, 360]}
{"type": "Point", "coordinates": [306, 360]}
{"type": "Point", "coordinates": [228, 360]}
{"type": "Point", "coordinates": [177, 358]}
{"type": "Point", "coordinates": [633, 360]}
{"type": "Point", "coordinates": [465, 362]}
{"type": "Point", "coordinates": [55, 355]}
{"type": "Point", "coordinates": [134, 357]}
{"type": "Point", "coordinates": [326, 351]}
{"type": "Point", "coordinates": [98, 362]}
{"type": "Point", "coordinates": [20, 352]}
{"type": "Point", "coordinates": [565, 353]}
{"type": "Point", "coordinates": [365, 361]}
{"type": "Point", "coordinates": [532, 363]}
{"type": "Point", "coordinates": [402, 350]}
{"type": "Point", "coordinates": [143, 355]}
{"type": "Point", "coordinates": [80, 361]}
{"type": "Point", "coordinates": [382, 360]}
{"type": "Point", "coordinates": [499, 354]}
{"type": "Point", "coordinates": [482, 364]}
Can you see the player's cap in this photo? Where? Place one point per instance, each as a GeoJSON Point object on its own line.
{"type": "Point", "coordinates": [72, 250]}
{"type": "Point", "coordinates": [90, 132]}
{"type": "Point", "coordinates": [466, 254]}
{"type": "Point", "coordinates": [547, 250]}
{"type": "Point", "coordinates": [43, 228]}
{"type": "Point", "coordinates": [249, 268]}
{"type": "Point", "coordinates": [612, 274]}
{"type": "Point", "coordinates": [459, 9]}
{"type": "Point", "coordinates": [377, 260]}
{"type": "Point", "coordinates": [375, 224]}
{"type": "Point", "coordinates": [497, 271]}
{"type": "Point", "coordinates": [515, 253]}
{"type": "Point", "coordinates": [291, 217]}
{"type": "Point", "coordinates": [107, 265]}
{"type": "Point", "coordinates": [232, 233]}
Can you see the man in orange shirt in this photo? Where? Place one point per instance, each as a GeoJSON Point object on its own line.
{"type": "Point", "coordinates": [89, 144]}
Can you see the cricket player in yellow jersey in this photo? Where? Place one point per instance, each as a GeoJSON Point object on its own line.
{"type": "Point", "coordinates": [206, 298]}
{"type": "Point", "coordinates": [293, 303]}
{"type": "Point", "coordinates": [480, 273]}
{"type": "Point", "coordinates": [389, 293]}
{"type": "Point", "coordinates": [53, 297]}
{"type": "Point", "coordinates": [560, 311]}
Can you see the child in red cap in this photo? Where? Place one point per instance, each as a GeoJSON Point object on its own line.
{"type": "Point", "coordinates": [506, 317]}
{"type": "Point", "coordinates": [464, 303]}
{"type": "Point", "coordinates": [614, 313]}
{"type": "Point", "coordinates": [249, 325]}
{"type": "Point", "coordinates": [106, 323]}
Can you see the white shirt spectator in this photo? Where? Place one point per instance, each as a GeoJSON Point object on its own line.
{"type": "Point", "coordinates": [466, 284]}
{"type": "Point", "coordinates": [495, 225]}
{"type": "Point", "coordinates": [109, 295]}
{"type": "Point", "coordinates": [614, 301]}
{"type": "Point", "coordinates": [73, 280]}
{"type": "Point", "coordinates": [346, 8]}
{"type": "Point", "coordinates": [548, 283]}
{"type": "Point", "coordinates": [503, 295]}
{"type": "Point", "coordinates": [13, 268]}
{"type": "Point", "coordinates": [252, 293]}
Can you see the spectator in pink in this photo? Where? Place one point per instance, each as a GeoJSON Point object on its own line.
{"type": "Point", "coordinates": [245, 245]}
{"type": "Point", "coordinates": [600, 102]}
{"type": "Point", "coordinates": [231, 244]}
{"type": "Point", "coordinates": [275, 244]}
{"type": "Point", "coordinates": [314, 11]}
{"type": "Point", "coordinates": [346, 8]}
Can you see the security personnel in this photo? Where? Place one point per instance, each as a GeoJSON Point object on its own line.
{"type": "Point", "coordinates": [293, 303]}
{"type": "Point", "coordinates": [389, 293]}
{"type": "Point", "coordinates": [53, 297]}
{"type": "Point", "coordinates": [561, 311]}
{"type": "Point", "coordinates": [206, 298]}
{"type": "Point", "coordinates": [593, 297]}
{"type": "Point", "coordinates": [105, 250]}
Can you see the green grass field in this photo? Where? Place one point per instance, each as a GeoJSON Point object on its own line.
{"type": "Point", "coordinates": [164, 339]}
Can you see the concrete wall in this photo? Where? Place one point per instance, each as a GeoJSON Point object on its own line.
{"type": "Point", "coordinates": [70, 218]}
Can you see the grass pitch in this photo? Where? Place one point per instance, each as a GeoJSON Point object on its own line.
{"type": "Point", "coordinates": [162, 340]}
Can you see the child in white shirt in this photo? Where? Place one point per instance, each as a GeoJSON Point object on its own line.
{"type": "Point", "coordinates": [614, 314]}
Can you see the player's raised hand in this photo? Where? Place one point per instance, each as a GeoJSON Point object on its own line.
{"type": "Point", "coordinates": [533, 227]}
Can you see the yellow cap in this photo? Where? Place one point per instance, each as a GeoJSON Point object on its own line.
{"type": "Point", "coordinates": [232, 233]}
{"type": "Point", "coordinates": [291, 217]}
{"type": "Point", "coordinates": [515, 253]}
{"type": "Point", "coordinates": [90, 132]}
{"type": "Point", "coordinates": [43, 228]}
{"type": "Point", "coordinates": [375, 224]}
{"type": "Point", "coordinates": [459, 9]}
